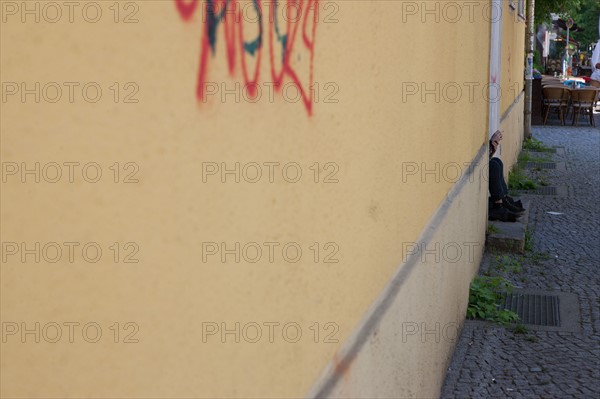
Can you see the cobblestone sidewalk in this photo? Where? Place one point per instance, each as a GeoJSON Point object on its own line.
{"type": "Point", "coordinates": [493, 361]}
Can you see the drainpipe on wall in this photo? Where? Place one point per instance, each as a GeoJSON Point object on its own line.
{"type": "Point", "coordinates": [495, 67]}
{"type": "Point", "coordinates": [529, 66]}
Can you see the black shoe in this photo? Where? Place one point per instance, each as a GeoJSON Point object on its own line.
{"type": "Point", "coordinates": [513, 208]}
{"type": "Point", "coordinates": [502, 214]}
{"type": "Point", "coordinates": [505, 204]}
{"type": "Point", "coordinates": [516, 203]}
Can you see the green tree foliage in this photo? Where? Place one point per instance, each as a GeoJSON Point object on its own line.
{"type": "Point", "coordinates": [585, 13]}
{"type": "Point", "coordinates": [564, 8]}
{"type": "Point", "coordinates": [587, 18]}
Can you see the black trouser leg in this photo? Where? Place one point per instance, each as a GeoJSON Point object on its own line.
{"type": "Point", "coordinates": [497, 184]}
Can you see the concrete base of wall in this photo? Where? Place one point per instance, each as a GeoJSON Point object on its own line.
{"type": "Point", "coordinates": [509, 236]}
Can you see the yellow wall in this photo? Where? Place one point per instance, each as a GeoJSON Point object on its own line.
{"type": "Point", "coordinates": [513, 128]}
{"type": "Point", "coordinates": [512, 84]}
{"type": "Point", "coordinates": [406, 352]}
{"type": "Point", "coordinates": [370, 133]}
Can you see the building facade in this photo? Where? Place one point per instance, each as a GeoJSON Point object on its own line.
{"type": "Point", "coordinates": [289, 199]}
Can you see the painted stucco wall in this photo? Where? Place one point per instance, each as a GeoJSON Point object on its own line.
{"type": "Point", "coordinates": [389, 134]}
{"type": "Point", "coordinates": [512, 84]}
{"type": "Point", "coordinates": [404, 343]}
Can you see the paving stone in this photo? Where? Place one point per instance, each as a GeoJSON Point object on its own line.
{"type": "Point", "coordinates": [565, 257]}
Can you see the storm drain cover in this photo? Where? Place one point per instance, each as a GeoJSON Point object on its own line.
{"type": "Point", "coordinates": [552, 150]}
{"type": "Point", "coordinates": [548, 190]}
{"type": "Point", "coordinates": [544, 310]}
{"type": "Point", "coordinates": [537, 310]}
{"type": "Point", "coordinates": [541, 165]}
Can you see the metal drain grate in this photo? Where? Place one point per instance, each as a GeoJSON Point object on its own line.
{"type": "Point", "coordinates": [558, 191]}
{"type": "Point", "coordinates": [541, 165]}
{"type": "Point", "coordinates": [545, 191]}
{"type": "Point", "coordinates": [538, 310]}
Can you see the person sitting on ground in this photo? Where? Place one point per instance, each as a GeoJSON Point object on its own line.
{"type": "Point", "coordinates": [501, 206]}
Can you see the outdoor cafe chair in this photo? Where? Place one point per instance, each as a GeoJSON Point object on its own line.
{"type": "Point", "coordinates": [582, 102]}
{"type": "Point", "coordinates": [560, 86]}
{"type": "Point", "coordinates": [557, 98]}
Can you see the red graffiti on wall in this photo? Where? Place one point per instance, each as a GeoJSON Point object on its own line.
{"type": "Point", "coordinates": [300, 18]}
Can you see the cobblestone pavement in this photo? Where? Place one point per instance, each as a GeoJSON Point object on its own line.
{"type": "Point", "coordinates": [493, 361]}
